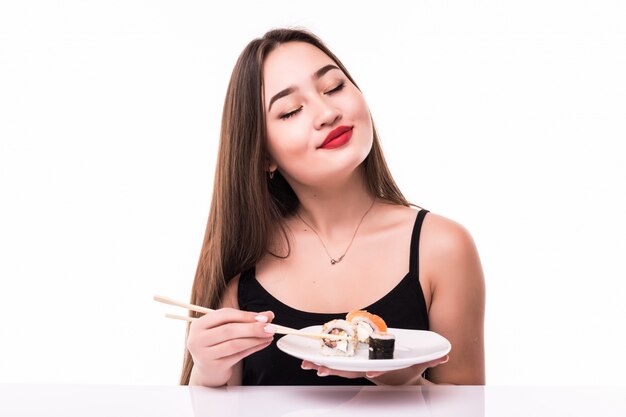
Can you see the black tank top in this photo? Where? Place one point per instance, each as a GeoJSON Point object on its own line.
{"type": "Point", "coordinates": [402, 307]}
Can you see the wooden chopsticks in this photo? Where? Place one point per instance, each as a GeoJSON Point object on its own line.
{"type": "Point", "coordinates": [279, 329]}
{"type": "Point", "coordinates": [192, 307]}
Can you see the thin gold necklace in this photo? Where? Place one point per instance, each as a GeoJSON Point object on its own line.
{"type": "Point", "coordinates": [334, 261]}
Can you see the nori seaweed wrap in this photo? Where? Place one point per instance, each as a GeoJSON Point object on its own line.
{"type": "Point", "coordinates": [381, 345]}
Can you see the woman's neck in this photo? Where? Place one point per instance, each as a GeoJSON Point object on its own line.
{"type": "Point", "coordinates": [335, 211]}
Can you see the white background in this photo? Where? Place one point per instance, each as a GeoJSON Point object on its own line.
{"type": "Point", "coordinates": [508, 117]}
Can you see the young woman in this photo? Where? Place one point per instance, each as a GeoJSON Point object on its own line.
{"type": "Point", "coordinates": [307, 224]}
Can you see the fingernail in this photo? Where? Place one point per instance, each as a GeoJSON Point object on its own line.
{"type": "Point", "coordinates": [261, 318]}
{"type": "Point", "coordinates": [446, 361]}
{"type": "Point", "coordinates": [269, 329]}
{"type": "Point", "coordinates": [322, 373]}
{"type": "Point", "coordinates": [303, 366]}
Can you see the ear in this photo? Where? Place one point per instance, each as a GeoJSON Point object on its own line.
{"type": "Point", "coordinates": [271, 166]}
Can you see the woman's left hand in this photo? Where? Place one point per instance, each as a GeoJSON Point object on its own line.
{"type": "Point", "coordinates": [410, 375]}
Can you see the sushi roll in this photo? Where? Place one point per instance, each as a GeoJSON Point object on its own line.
{"type": "Point", "coordinates": [381, 346]}
{"type": "Point", "coordinates": [339, 347]}
{"type": "Point", "coordinates": [366, 323]}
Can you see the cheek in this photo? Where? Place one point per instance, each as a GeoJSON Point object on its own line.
{"type": "Point", "coordinates": [355, 107]}
{"type": "Point", "coordinates": [286, 139]}
{"type": "Point", "coordinates": [361, 109]}
{"type": "Point", "coordinates": [359, 112]}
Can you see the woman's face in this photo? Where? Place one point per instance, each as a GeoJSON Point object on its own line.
{"type": "Point", "coordinates": [306, 98]}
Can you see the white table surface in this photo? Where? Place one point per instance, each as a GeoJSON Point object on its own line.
{"type": "Point", "coordinates": [115, 400]}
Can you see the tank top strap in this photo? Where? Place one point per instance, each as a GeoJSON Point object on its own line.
{"type": "Point", "coordinates": [415, 242]}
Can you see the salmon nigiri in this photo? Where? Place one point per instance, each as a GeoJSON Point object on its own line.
{"type": "Point", "coordinates": [366, 323]}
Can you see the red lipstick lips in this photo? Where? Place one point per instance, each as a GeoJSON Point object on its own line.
{"type": "Point", "coordinates": [337, 137]}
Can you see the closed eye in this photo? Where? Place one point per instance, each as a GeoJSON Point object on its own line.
{"type": "Point", "coordinates": [337, 89]}
{"type": "Point", "coordinates": [296, 111]}
{"type": "Point", "coordinates": [291, 113]}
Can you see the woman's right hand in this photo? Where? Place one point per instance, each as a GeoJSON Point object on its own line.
{"type": "Point", "coordinates": [220, 339]}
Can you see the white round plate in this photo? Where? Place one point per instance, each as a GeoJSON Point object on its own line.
{"type": "Point", "coordinates": [412, 347]}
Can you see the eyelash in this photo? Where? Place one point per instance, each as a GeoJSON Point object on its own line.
{"type": "Point", "coordinates": [333, 91]}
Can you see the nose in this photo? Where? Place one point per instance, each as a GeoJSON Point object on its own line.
{"type": "Point", "coordinates": [326, 114]}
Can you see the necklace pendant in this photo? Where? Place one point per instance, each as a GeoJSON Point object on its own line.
{"type": "Point", "coordinates": [336, 261]}
{"type": "Point", "coordinates": [332, 260]}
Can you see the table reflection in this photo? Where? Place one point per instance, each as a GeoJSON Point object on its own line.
{"type": "Point", "coordinates": [299, 401]}
{"type": "Point", "coordinates": [36, 400]}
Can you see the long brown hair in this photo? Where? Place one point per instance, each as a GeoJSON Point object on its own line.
{"type": "Point", "coordinates": [247, 207]}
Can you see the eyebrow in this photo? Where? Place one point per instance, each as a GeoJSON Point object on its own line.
{"type": "Point", "coordinates": [316, 76]}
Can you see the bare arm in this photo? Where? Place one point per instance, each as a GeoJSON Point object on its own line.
{"type": "Point", "coordinates": [451, 267]}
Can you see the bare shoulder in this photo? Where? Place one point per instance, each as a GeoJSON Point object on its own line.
{"type": "Point", "coordinates": [440, 237]}
{"type": "Point", "coordinates": [449, 261]}
{"type": "Point", "coordinates": [445, 242]}
{"type": "Point", "coordinates": [395, 215]}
